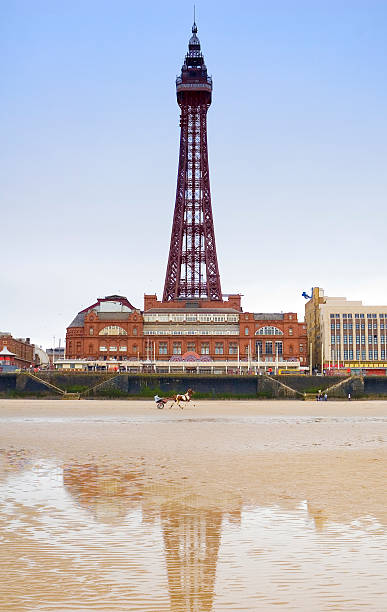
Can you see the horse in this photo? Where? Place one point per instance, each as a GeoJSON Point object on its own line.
{"type": "Point", "coordinates": [176, 399]}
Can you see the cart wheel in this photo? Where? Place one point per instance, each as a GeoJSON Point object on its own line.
{"type": "Point", "coordinates": [160, 405]}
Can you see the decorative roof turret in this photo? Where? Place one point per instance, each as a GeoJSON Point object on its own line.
{"type": "Point", "coordinates": [194, 71]}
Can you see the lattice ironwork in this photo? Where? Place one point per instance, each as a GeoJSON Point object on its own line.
{"type": "Point", "coordinates": [192, 270]}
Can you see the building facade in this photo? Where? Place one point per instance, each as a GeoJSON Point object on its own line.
{"type": "Point", "coordinates": [21, 347]}
{"type": "Point", "coordinates": [344, 333]}
{"type": "Point", "coordinates": [112, 330]}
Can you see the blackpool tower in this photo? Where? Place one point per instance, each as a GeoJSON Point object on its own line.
{"type": "Point", "coordinates": [192, 270]}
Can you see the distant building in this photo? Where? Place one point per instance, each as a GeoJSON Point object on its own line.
{"type": "Point", "coordinates": [345, 334]}
{"type": "Point", "coordinates": [55, 354]}
{"type": "Point", "coordinates": [186, 331]}
{"type": "Point", "coordinates": [21, 347]}
{"type": "Point", "coordinates": [41, 357]}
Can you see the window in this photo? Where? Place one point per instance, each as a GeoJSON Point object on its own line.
{"type": "Point", "coordinates": [176, 348]}
{"type": "Point", "coordinates": [332, 316]}
{"type": "Point", "coordinates": [278, 347]}
{"type": "Point", "coordinates": [134, 349]}
{"type": "Point", "coordinates": [362, 316]}
{"type": "Point", "coordinates": [345, 339]}
{"type": "Point", "coordinates": [123, 348]}
{"type": "Point", "coordinates": [134, 331]}
{"type": "Point", "coordinates": [357, 326]}
{"type": "Point", "coordinates": [333, 338]}
{"type": "Point", "coordinates": [338, 326]}
{"type": "Point", "coordinates": [344, 325]}
{"type": "Point", "coordinates": [357, 354]}
{"type": "Point", "coordinates": [369, 325]}
{"type": "Point", "coordinates": [290, 331]}
{"type": "Point", "coordinates": [382, 339]}
{"type": "Point", "coordinates": [113, 330]}
{"type": "Point", "coordinates": [363, 326]}
{"type": "Point", "coordinates": [337, 316]}
{"type": "Point", "coordinates": [91, 331]}
{"type": "Point", "coordinates": [363, 339]}
{"type": "Point", "coordinates": [350, 353]}
{"type": "Point", "coordinates": [233, 348]}
{"type": "Point", "coordinates": [246, 331]}
{"type": "Point", "coordinates": [349, 316]}
{"type": "Point", "coordinates": [112, 348]}
{"type": "Point", "coordinates": [350, 326]}
{"type": "Point", "coordinates": [205, 348]}
{"type": "Point", "coordinates": [218, 348]}
{"type": "Point", "coordinates": [102, 348]}
{"type": "Point", "coordinates": [369, 316]}
{"type": "Point", "coordinates": [345, 354]}
{"type": "Point", "coordinates": [350, 339]}
{"type": "Point", "coordinates": [268, 348]}
{"type": "Point", "coordinates": [344, 316]}
{"type": "Point", "coordinates": [258, 348]}
{"type": "Point", "coordinates": [370, 354]}
{"type": "Point", "coordinates": [356, 315]}
{"type": "Point", "coordinates": [163, 348]}
{"type": "Point", "coordinates": [301, 348]}
{"type": "Point", "coordinates": [269, 330]}
{"type": "Point", "coordinates": [383, 354]}
{"type": "Point", "coordinates": [357, 339]}
{"type": "Point", "coordinates": [374, 316]}
{"type": "Point", "coordinates": [332, 326]}
{"type": "Point", "coordinates": [338, 339]}
{"type": "Point", "coordinates": [375, 326]}
{"type": "Point", "coordinates": [191, 347]}
{"type": "Point", "coordinates": [381, 324]}
{"type": "Point", "coordinates": [363, 354]}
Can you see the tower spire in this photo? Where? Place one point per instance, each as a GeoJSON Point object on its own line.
{"type": "Point", "coordinates": [192, 270]}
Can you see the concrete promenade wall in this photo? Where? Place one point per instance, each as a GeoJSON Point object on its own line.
{"type": "Point", "coordinates": [110, 385]}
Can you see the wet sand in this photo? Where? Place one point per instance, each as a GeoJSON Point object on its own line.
{"type": "Point", "coordinates": [307, 472]}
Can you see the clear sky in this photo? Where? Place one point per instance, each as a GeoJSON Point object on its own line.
{"type": "Point", "coordinates": [90, 127]}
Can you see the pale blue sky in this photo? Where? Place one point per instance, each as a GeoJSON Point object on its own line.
{"type": "Point", "coordinates": [90, 127]}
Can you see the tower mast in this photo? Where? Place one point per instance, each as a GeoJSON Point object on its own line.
{"type": "Point", "coordinates": [192, 270]}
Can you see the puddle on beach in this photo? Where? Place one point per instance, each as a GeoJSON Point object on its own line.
{"type": "Point", "coordinates": [92, 536]}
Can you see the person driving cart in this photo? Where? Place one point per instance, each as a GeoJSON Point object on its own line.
{"type": "Point", "coordinates": [160, 401]}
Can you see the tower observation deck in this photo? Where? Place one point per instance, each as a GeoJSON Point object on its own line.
{"type": "Point", "coordinates": [192, 270]}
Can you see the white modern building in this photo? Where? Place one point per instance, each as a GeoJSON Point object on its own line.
{"type": "Point", "coordinates": [344, 333]}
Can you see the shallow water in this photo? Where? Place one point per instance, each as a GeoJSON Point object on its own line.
{"type": "Point", "coordinates": [93, 535]}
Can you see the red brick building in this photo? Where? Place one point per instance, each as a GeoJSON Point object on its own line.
{"type": "Point", "coordinates": [23, 350]}
{"type": "Point", "coordinates": [111, 329]}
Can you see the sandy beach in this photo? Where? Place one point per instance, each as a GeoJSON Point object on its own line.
{"type": "Point", "coordinates": [218, 458]}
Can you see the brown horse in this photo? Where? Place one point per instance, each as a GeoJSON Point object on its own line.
{"type": "Point", "coordinates": [176, 399]}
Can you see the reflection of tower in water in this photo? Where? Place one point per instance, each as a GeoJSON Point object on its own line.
{"type": "Point", "coordinates": [190, 519]}
{"type": "Point", "coordinates": [191, 540]}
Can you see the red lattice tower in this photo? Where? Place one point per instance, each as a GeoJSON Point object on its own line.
{"type": "Point", "coordinates": [192, 270]}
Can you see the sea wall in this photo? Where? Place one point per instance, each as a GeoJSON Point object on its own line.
{"type": "Point", "coordinates": [110, 385]}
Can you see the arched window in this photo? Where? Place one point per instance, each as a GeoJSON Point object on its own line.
{"type": "Point", "coordinates": [269, 330]}
{"type": "Point", "coordinates": [113, 330]}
